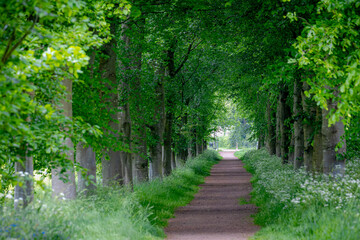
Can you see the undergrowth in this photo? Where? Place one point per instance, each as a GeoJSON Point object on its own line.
{"type": "Point", "coordinates": [110, 213]}
{"type": "Point", "coordinates": [297, 205]}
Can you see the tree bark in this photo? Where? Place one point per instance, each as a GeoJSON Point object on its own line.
{"type": "Point", "coordinates": [331, 136]}
{"type": "Point", "coordinates": [309, 109]}
{"type": "Point", "coordinates": [59, 186]}
{"type": "Point", "coordinates": [298, 126]}
{"type": "Point", "coordinates": [86, 157]}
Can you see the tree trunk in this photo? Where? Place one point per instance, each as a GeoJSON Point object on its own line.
{"type": "Point", "coordinates": [291, 153]}
{"type": "Point", "coordinates": [112, 169]}
{"type": "Point", "coordinates": [141, 160]}
{"type": "Point", "coordinates": [284, 113]}
{"type": "Point", "coordinates": [157, 130]}
{"type": "Point", "coordinates": [205, 146]}
{"type": "Point", "coordinates": [25, 194]}
{"type": "Point", "coordinates": [60, 187]}
{"type": "Point", "coordinates": [168, 143]}
{"type": "Point", "coordinates": [126, 156]}
{"type": "Point", "coordinates": [278, 135]}
{"type": "Point", "coordinates": [309, 109]}
{"type": "Point", "coordinates": [86, 157]}
{"type": "Point", "coordinates": [317, 156]}
{"type": "Point", "coordinates": [331, 136]}
{"type": "Point", "coordinates": [261, 141]}
{"type": "Point", "coordinates": [298, 126]}
{"type": "Point", "coordinates": [173, 160]}
{"type": "Point", "coordinates": [271, 136]}
{"type": "Point", "coordinates": [189, 150]}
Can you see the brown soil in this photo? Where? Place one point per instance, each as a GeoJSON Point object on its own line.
{"type": "Point", "coordinates": [215, 213]}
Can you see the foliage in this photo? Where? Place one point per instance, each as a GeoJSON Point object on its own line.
{"type": "Point", "coordinates": [294, 204]}
{"type": "Point", "coordinates": [329, 46]}
{"type": "Point", "coordinates": [42, 44]}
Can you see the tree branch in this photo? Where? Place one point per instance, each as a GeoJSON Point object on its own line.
{"type": "Point", "coordinates": [8, 53]}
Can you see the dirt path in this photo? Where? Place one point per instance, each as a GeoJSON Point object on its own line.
{"type": "Point", "coordinates": [214, 213]}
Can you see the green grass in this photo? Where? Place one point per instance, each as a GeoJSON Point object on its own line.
{"type": "Point", "coordinates": [111, 213]}
{"type": "Point", "coordinates": [296, 205]}
{"type": "Point", "coordinates": [241, 152]}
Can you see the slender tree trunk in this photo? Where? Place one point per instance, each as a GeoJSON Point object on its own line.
{"type": "Point", "coordinates": [284, 113]}
{"type": "Point", "coordinates": [205, 146]}
{"type": "Point", "coordinates": [291, 153]}
{"type": "Point", "coordinates": [157, 129]}
{"type": "Point", "coordinates": [112, 168]}
{"type": "Point", "coordinates": [278, 135]}
{"type": "Point", "coordinates": [298, 126]}
{"type": "Point", "coordinates": [168, 143]}
{"type": "Point", "coordinates": [141, 160]}
{"type": "Point", "coordinates": [271, 136]}
{"type": "Point", "coordinates": [317, 156]}
{"type": "Point", "coordinates": [261, 140]}
{"type": "Point", "coordinates": [173, 160]}
{"type": "Point", "coordinates": [25, 194]}
{"type": "Point", "coordinates": [126, 156]}
{"type": "Point", "coordinates": [331, 136]}
{"type": "Point", "coordinates": [140, 155]}
{"type": "Point", "coordinates": [189, 150]}
{"type": "Point", "coordinates": [67, 188]}
{"type": "Point", "coordinates": [130, 67]}
{"type": "Point", "coordinates": [86, 157]}
{"type": "Point", "coordinates": [309, 109]}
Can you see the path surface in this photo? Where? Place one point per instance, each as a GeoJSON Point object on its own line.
{"type": "Point", "coordinates": [214, 213]}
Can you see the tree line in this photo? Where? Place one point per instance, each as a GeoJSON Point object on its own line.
{"type": "Point", "coordinates": [119, 87]}
{"type": "Point", "coordinates": [298, 80]}
{"type": "Point", "coordinates": [127, 87]}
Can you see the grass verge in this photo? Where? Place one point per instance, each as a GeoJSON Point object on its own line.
{"type": "Point", "coordinates": [297, 205]}
{"type": "Point", "coordinates": [111, 213]}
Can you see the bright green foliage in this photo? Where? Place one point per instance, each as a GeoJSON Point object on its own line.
{"type": "Point", "coordinates": [295, 205]}
{"type": "Point", "coordinates": [40, 46]}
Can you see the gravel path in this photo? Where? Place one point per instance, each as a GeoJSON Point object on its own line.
{"type": "Point", "coordinates": [215, 213]}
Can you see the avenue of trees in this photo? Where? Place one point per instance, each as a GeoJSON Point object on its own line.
{"type": "Point", "coordinates": [129, 87]}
